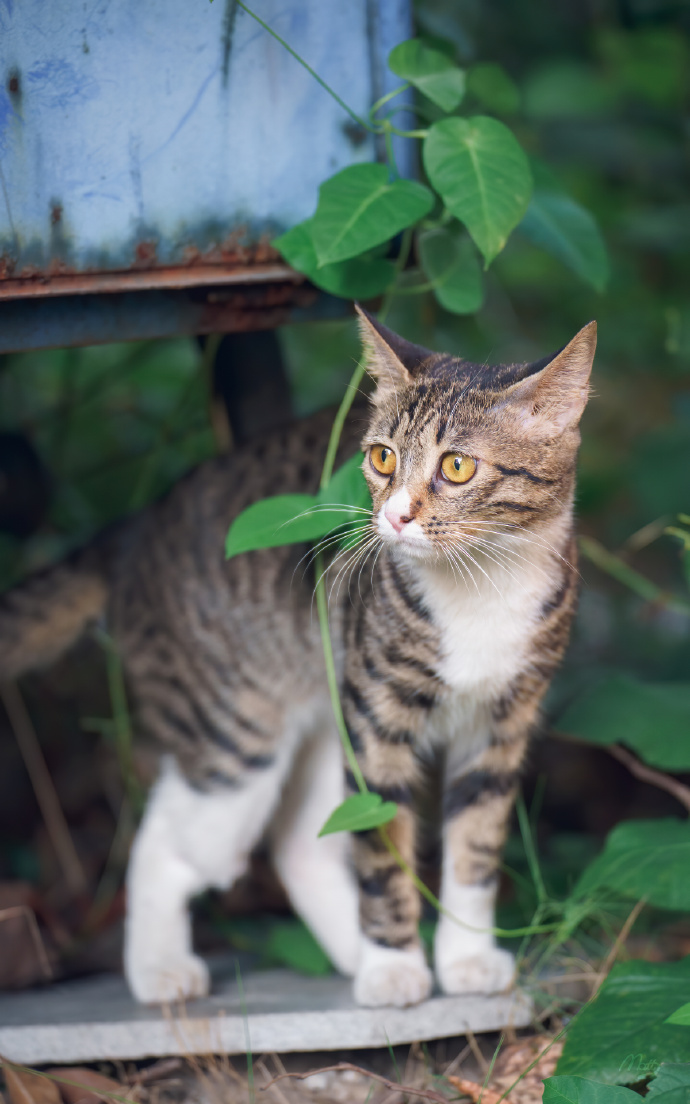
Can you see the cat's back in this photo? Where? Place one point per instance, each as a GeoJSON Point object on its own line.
{"type": "Point", "coordinates": [171, 563]}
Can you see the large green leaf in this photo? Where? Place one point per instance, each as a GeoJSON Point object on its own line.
{"type": "Point", "coordinates": [643, 858]}
{"type": "Point", "coordinates": [348, 485]}
{"type": "Point", "coordinates": [483, 176]}
{"type": "Point", "coordinates": [671, 1084]}
{"type": "Point", "coordinates": [359, 813]}
{"type": "Point", "coordinates": [360, 207]}
{"type": "Point", "coordinates": [680, 1016]}
{"type": "Point", "coordinates": [450, 262]}
{"type": "Point", "coordinates": [359, 278]}
{"type": "Point", "coordinates": [621, 1035]}
{"type": "Point", "coordinates": [580, 1090]}
{"type": "Point", "coordinates": [651, 718]}
{"type": "Point", "coordinates": [281, 519]}
{"type": "Point", "coordinates": [430, 71]}
{"type": "Point", "coordinates": [294, 518]}
{"type": "Point", "coordinates": [559, 225]}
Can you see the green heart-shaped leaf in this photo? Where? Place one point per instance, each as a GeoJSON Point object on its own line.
{"type": "Point", "coordinates": [347, 485]}
{"type": "Point", "coordinates": [430, 71]}
{"type": "Point", "coordinates": [651, 718]}
{"type": "Point", "coordinates": [483, 176]}
{"type": "Point", "coordinates": [680, 1016]}
{"type": "Point", "coordinates": [621, 1037]}
{"type": "Point", "coordinates": [297, 518]}
{"type": "Point", "coordinates": [558, 224]}
{"type": "Point", "coordinates": [360, 207]}
{"type": "Point", "coordinates": [359, 813]}
{"type": "Point", "coordinates": [450, 262]}
{"type": "Point", "coordinates": [494, 88]}
{"type": "Point", "coordinates": [580, 1090]}
{"type": "Point", "coordinates": [643, 858]}
{"type": "Point", "coordinates": [359, 278]}
{"type": "Point", "coordinates": [671, 1084]}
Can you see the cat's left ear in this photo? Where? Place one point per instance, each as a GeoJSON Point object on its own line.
{"type": "Point", "coordinates": [391, 360]}
{"type": "Point", "coordinates": [554, 393]}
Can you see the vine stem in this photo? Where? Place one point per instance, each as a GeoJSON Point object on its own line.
{"type": "Point", "coordinates": [331, 675]}
{"type": "Point", "coordinates": [385, 99]}
{"type": "Point", "coordinates": [503, 933]}
{"type": "Point", "coordinates": [629, 577]}
{"type": "Point", "coordinates": [339, 421]}
{"type": "Point", "coordinates": [353, 114]}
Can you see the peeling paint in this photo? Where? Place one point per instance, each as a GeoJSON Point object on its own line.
{"type": "Point", "coordinates": [184, 136]}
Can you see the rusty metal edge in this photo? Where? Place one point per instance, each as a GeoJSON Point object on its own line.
{"type": "Point", "coordinates": [178, 277]}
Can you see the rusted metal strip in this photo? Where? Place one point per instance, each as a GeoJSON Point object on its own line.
{"type": "Point", "coordinates": [174, 277]}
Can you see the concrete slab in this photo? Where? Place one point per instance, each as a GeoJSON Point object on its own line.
{"type": "Point", "coordinates": [95, 1018]}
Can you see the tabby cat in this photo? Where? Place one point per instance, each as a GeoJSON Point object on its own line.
{"type": "Point", "coordinates": [446, 639]}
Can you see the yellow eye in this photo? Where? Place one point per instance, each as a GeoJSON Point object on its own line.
{"type": "Point", "coordinates": [458, 468]}
{"type": "Point", "coordinates": [382, 459]}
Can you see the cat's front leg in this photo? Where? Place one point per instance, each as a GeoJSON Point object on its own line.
{"type": "Point", "coordinates": [477, 805]}
{"type": "Point", "coordinates": [392, 968]}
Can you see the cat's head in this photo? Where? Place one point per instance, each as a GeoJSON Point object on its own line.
{"type": "Point", "coordinates": [455, 450]}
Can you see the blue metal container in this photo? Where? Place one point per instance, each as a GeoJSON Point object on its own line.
{"type": "Point", "coordinates": [161, 145]}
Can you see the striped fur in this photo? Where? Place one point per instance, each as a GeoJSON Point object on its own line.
{"type": "Point", "coordinates": [448, 622]}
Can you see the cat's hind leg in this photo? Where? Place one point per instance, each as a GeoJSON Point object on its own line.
{"type": "Point", "coordinates": [316, 871]}
{"type": "Point", "coordinates": [188, 841]}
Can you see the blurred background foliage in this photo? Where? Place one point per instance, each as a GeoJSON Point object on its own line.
{"type": "Point", "coordinates": [598, 91]}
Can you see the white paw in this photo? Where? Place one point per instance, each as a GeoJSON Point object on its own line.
{"type": "Point", "coordinates": [174, 980]}
{"type": "Point", "coordinates": [491, 971]}
{"type": "Point", "coordinates": [393, 977]}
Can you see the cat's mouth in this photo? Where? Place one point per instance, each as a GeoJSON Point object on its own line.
{"type": "Point", "coordinates": [408, 536]}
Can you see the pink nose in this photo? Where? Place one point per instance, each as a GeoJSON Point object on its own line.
{"type": "Point", "coordinates": [396, 519]}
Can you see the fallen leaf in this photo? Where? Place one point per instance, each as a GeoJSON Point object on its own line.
{"type": "Point", "coordinates": [511, 1062]}
{"type": "Point", "coordinates": [87, 1085]}
{"type": "Point", "coordinates": [474, 1090]}
{"type": "Point", "coordinates": [23, 958]}
{"type": "Point", "coordinates": [515, 1058]}
{"type": "Point", "coordinates": [29, 1088]}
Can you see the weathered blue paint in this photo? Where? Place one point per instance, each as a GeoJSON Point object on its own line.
{"type": "Point", "coordinates": [148, 133]}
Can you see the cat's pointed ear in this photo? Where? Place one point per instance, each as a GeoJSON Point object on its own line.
{"type": "Point", "coordinates": [392, 361]}
{"type": "Point", "coordinates": [553, 393]}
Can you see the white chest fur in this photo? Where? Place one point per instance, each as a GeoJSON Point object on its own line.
{"type": "Point", "coordinates": [485, 620]}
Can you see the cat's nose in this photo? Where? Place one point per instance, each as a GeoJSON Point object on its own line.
{"type": "Point", "coordinates": [397, 518]}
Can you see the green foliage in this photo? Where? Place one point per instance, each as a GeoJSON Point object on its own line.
{"type": "Point", "coordinates": [360, 207]}
{"type": "Point", "coordinates": [653, 719]}
{"type": "Point", "coordinates": [680, 1016]}
{"type": "Point", "coordinates": [671, 1085]}
{"type": "Point", "coordinates": [483, 176]}
{"type": "Point", "coordinates": [359, 813]}
{"type": "Point", "coordinates": [297, 518]}
{"type": "Point", "coordinates": [429, 70]}
{"type": "Point", "coordinates": [624, 1029]}
{"type": "Point", "coordinates": [563, 228]}
{"type": "Point", "coordinates": [360, 277]}
{"type": "Point", "coordinates": [291, 944]}
{"type": "Point", "coordinates": [492, 86]}
{"type": "Point", "coordinates": [580, 1090]}
{"type": "Point", "coordinates": [643, 858]}
{"type": "Point", "coordinates": [450, 263]}
{"type": "Point", "coordinates": [479, 173]}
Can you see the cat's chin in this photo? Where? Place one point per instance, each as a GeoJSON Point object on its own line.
{"type": "Point", "coordinates": [410, 548]}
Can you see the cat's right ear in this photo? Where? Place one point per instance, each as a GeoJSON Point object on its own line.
{"type": "Point", "coordinates": [392, 361]}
